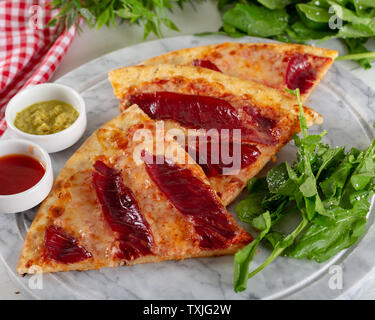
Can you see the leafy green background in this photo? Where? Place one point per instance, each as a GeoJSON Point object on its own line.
{"type": "Point", "coordinates": [283, 20]}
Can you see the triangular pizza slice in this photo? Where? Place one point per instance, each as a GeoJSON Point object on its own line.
{"type": "Point", "coordinates": [120, 201]}
{"type": "Point", "coordinates": [277, 65]}
{"type": "Point", "coordinates": [197, 100]}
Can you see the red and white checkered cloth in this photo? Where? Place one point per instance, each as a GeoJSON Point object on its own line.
{"type": "Point", "coordinates": [29, 51]}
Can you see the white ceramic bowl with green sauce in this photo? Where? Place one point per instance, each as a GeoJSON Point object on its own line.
{"type": "Point", "coordinates": [45, 92]}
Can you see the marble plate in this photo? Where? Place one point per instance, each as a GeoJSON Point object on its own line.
{"type": "Point", "coordinates": [347, 105]}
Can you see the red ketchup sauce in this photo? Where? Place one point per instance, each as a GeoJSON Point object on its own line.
{"type": "Point", "coordinates": [18, 173]}
{"type": "Point", "coordinates": [194, 199]}
{"type": "Point", "coordinates": [200, 112]}
{"type": "Point", "coordinates": [122, 213]}
{"type": "Point", "coordinates": [300, 73]}
{"type": "Point", "coordinates": [61, 247]}
{"type": "Point", "coordinates": [212, 162]}
{"type": "Point", "coordinates": [205, 64]}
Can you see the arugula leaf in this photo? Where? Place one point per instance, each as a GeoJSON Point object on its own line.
{"type": "Point", "coordinates": [333, 185]}
{"type": "Point", "coordinates": [250, 207]}
{"type": "Point", "coordinates": [232, 31]}
{"type": "Point", "coordinates": [350, 16]}
{"type": "Point", "coordinates": [243, 257]}
{"type": "Point", "coordinates": [350, 30]}
{"type": "Point", "coordinates": [256, 20]}
{"type": "Point", "coordinates": [273, 237]}
{"type": "Point", "coordinates": [258, 183]}
{"type": "Point", "coordinates": [279, 247]}
{"type": "Point", "coordinates": [275, 4]}
{"type": "Point", "coordinates": [356, 46]}
{"type": "Point", "coordinates": [321, 243]}
{"type": "Point", "coordinates": [330, 157]}
{"type": "Point", "coordinates": [328, 188]}
{"type": "Point", "coordinates": [366, 165]}
{"type": "Point", "coordinates": [278, 181]}
{"type": "Point", "coordinates": [365, 3]}
{"type": "Point", "coordinates": [314, 13]}
{"type": "Point", "coordinates": [304, 33]}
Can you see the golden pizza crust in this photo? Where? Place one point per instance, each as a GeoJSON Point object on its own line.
{"type": "Point", "coordinates": [264, 63]}
{"type": "Point", "coordinates": [200, 81]}
{"type": "Point", "coordinates": [72, 204]}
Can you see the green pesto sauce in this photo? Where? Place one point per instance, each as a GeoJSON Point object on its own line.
{"type": "Point", "coordinates": [46, 117]}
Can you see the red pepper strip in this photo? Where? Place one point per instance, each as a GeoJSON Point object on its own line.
{"type": "Point", "coordinates": [300, 73]}
{"type": "Point", "coordinates": [203, 112]}
{"type": "Point", "coordinates": [122, 213]}
{"type": "Point", "coordinates": [194, 199]}
{"type": "Point", "coordinates": [61, 247]}
{"type": "Point", "coordinates": [206, 64]}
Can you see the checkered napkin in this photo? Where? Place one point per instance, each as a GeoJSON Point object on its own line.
{"type": "Point", "coordinates": [29, 51]}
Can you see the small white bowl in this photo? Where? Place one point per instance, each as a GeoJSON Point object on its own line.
{"type": "Point", "coordinates": [31, 197]}
{"type": "Point", "coordinates": [44, 92]}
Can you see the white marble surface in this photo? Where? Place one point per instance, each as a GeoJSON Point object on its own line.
{"type": "Point", "coordinates": [91, 44]}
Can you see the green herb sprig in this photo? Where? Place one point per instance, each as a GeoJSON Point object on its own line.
{"type": "Point", "coordinates": [330, 191]}
{"type": "Point", "coordinates": [151, 14]}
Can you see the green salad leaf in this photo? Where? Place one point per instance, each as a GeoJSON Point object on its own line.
{"type": "Point", "coordinates": [320, 243]}
{"type": "Point", "coordinates": [256, 20]}
{"type": "Point", "coordinates": [275, 4]}
{"type": "Point", "coordinates": [244, 256]}
{"type": "Point", "coordinates": [329, 189]}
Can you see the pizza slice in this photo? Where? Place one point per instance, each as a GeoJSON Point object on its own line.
{"type": "Point", "coordinates": [120, 201]}
{"type": "Point", "coordinates": [198, 103]}
{"type": "Point", "coordinates": [276, 65]}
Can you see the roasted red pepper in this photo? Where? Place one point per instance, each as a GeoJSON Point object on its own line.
{"type": "Point", "coordinates": [63, 248]}
{"type": "Point", "coordinates": [194, 199]}
{"type": "Point", "coordinates": [122, 213]}
{"type": "Point", "coordinates": [300, 73]}
{"type": "Point", "coordinates": [203, 112]}
{"type": "Point", "coordinates": [205, 64]}
{"type": "Point", "coordinates": [212, 162]}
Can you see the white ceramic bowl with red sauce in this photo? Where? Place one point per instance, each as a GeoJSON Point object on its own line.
{"type": "Point", "coordinates": [31, 197]}
{"type": "Point", "coordinates": [43, 92]}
